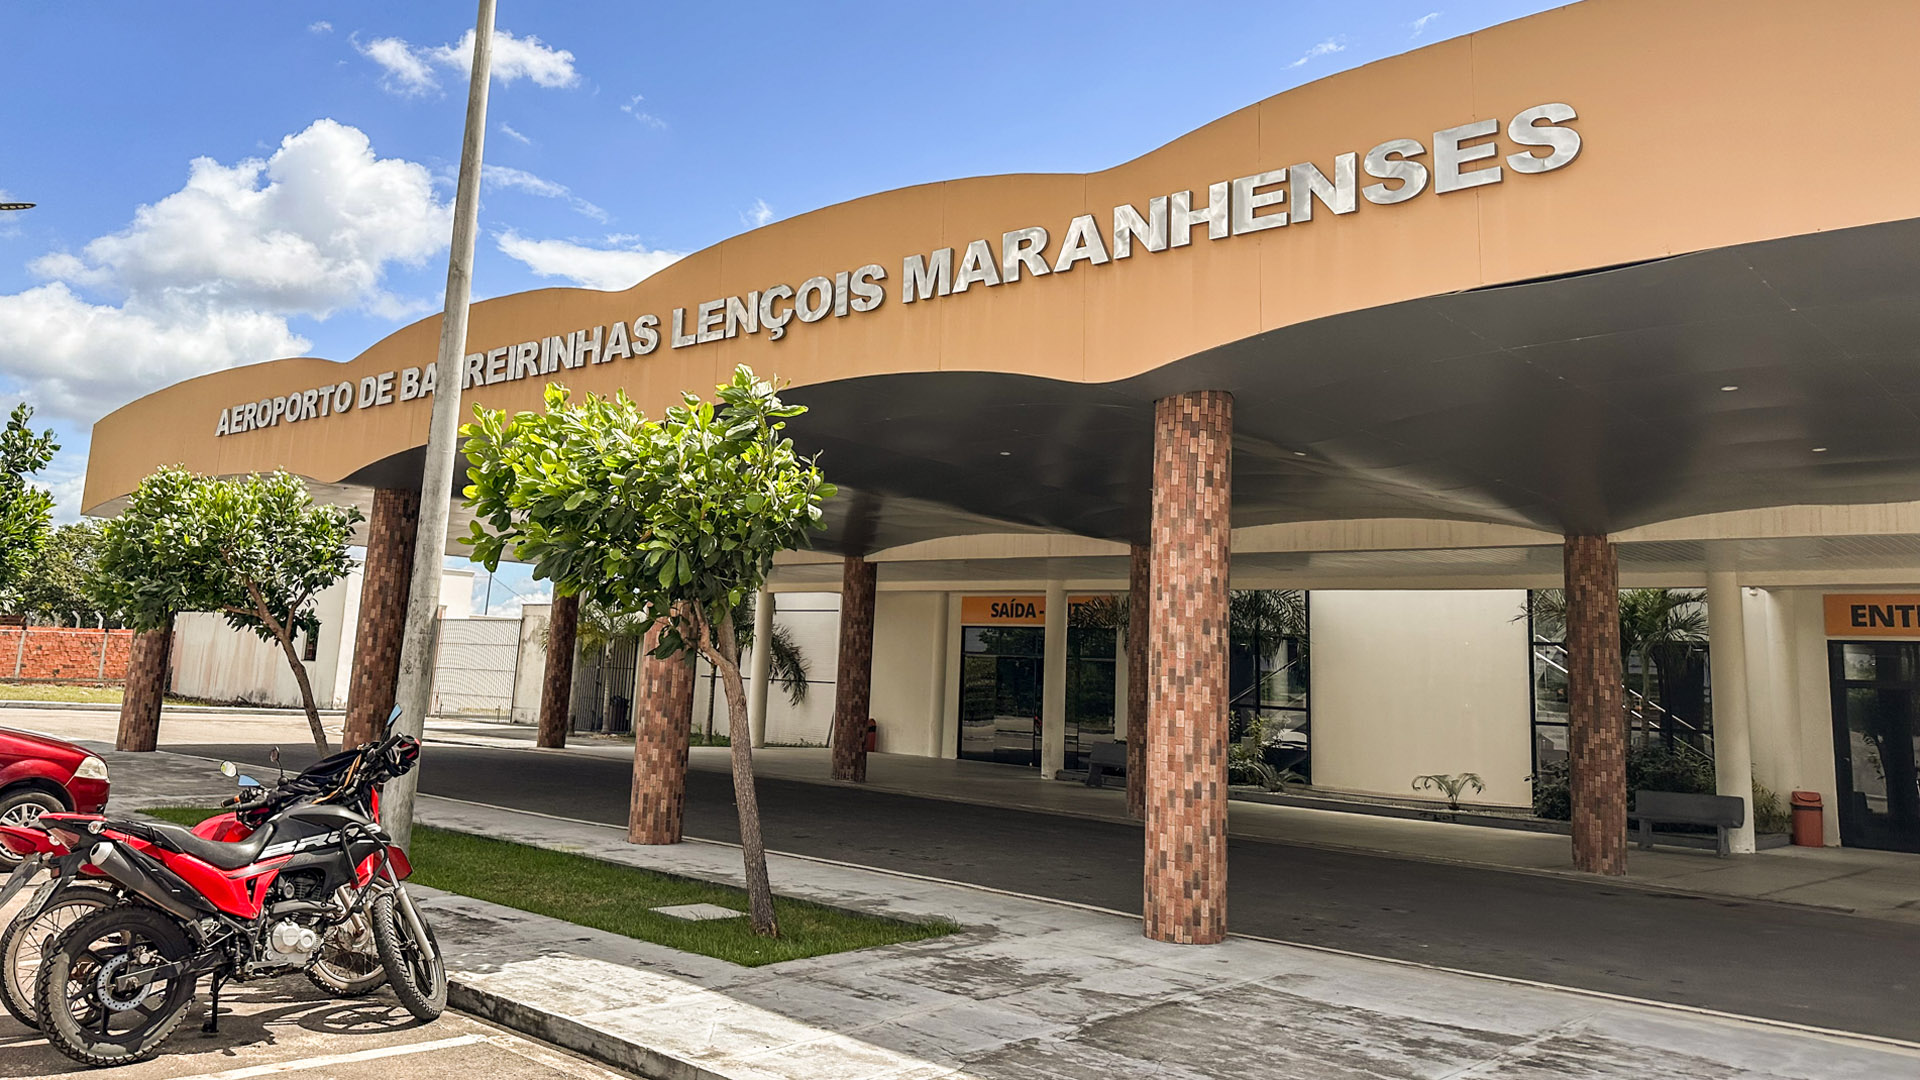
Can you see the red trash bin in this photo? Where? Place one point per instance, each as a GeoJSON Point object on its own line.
{"type": "Point", "coordinates": [1808, 829]}
{"type": "Point", "coordinates": [873, 736]}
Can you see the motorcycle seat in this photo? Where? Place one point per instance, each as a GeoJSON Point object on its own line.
{"type": "Point", "coordinates": [224, 855]}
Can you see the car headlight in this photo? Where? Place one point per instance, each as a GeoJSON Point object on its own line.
{"type": "Point", "coordinates": [91, 769]}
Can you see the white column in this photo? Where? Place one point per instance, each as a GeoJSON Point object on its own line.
{"type": "Point", "coordinates": [1053, 684]}
{"type": "Point", "coordinates": [762, 674]}
{"type": "Point", "coordinates": [937, 679]}
{"type": "Point", "coordinates": [1732, 726]}
{"type": "Point", "coordinates": [953, 642]}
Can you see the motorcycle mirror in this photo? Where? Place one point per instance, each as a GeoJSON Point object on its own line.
{"type": "Point", "coordinates": [249, 782]}
{"type": "Point", "coordinates": [273, 755]}
{"type": "Point", "coordinates": [229, 770]}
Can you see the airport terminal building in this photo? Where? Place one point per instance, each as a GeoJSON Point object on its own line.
{"type": "Point", "coordinates": [1437, 354]}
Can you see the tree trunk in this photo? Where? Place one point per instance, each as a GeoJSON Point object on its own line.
{"type": "Point", "coordinates": [146, 686]}
{"type": "Point", "coordinates": [712, 677]}
{"type": "Point", "coordinates": [725, 656]}
{"type": "Point", "coordinates": [283, 633]}
{"type": "Point", "coordinates": [556, 686]}
{"type": "Point", "coordinates": [306, 691]}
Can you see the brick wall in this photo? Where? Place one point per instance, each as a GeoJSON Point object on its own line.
{"type": "Point", "coordinates": [59, 654]}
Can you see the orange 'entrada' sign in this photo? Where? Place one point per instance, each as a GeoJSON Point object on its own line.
{"type": "Point", "coordinates": [1873, 615]}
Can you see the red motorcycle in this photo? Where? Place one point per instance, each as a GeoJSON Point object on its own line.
{"type": "Point", "coordinates": [116, 983]}
{"type": "Point", "coordinates": [348, 965]}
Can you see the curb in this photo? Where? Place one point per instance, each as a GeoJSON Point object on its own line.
{"type": "Point", "coordinates": [569, 1034]}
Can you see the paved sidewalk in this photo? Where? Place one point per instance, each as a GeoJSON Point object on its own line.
{"type": "Point", "coordinates": [1033, 989]}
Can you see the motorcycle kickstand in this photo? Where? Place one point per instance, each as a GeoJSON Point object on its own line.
{"type": "Point", "coordinates": [212, 1024]}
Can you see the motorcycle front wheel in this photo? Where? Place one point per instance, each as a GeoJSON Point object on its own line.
{"type": "Point", "coordinates": [415, 968]}
{"type": "Point", "coordinates": [349, 963]}
{"type": "Point", "coordinates": [87, 1011]}
{"type": "Point", "coordinates": [26, 942]}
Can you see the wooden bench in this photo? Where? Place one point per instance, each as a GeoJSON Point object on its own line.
{"type": "Point", "coordinates": [1722, 812]}
{"type": "Point", "coordinates": [1106, 758]}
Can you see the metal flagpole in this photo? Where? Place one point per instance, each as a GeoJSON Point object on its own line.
{"type": "Point", "coordinates": [415, 688]}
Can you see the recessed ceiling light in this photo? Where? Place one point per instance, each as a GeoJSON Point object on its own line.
{"type": "Point", "coordinates": [1725, 389]}
{"type": "Point", "coordinates": [1006, 453]}
{"type": "Point", "coordinates": [1819, 449]}
{"type": "Point", "coordinates": [1299, 453]}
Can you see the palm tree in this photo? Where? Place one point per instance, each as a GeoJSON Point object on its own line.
{"type": "Point", "coordinates": [1662, 628]}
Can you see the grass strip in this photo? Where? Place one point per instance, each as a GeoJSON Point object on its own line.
{"type": "Point", "coordinates": [616, 898]}
{"type": "Point", "coordinates": [65, 692]}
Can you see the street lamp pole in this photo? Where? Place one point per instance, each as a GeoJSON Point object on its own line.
{"type": "Point", "coordinates": [415, 689]}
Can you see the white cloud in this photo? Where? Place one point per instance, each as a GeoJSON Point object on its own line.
{"type": "Point", "coordinates": [507, 130]}
{"type": "Point", "coordinates": [321, 26]}
{"type": "Point", "coordinates": [497, 597]}
{"type": "Point", "coordinates": [1419, 25]}
{"type": "Point", "coordinates": [78, 360]}
{"type": "Point", "coordinates": [306, 231]}
{"type": "Point", "coordinates": [208, 277]}
{"type": "Point", "coordinates": [609, 269]}
{"type": "Point", "coordinates": [406, 73]}
{"type": "Point", "coordinates": [758, 214]}
{"type": "Point", "coordinates": [1325, 48]}
{"type": "Point", "coordinates": [513, 58]}
{"type": "Point", "coordinates": [410, 68]}
{"type": "Point", "coordinates": [632, 108]}
{"type": "Point", "coordinates": [503, 176]}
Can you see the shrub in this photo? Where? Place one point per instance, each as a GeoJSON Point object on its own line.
{"type": "Point", "coordinates": [1651, 767]}
{"type": "Point", "coordinates": [1769, 814]}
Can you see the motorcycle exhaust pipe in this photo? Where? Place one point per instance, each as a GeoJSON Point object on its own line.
{"type": "Point", "coordinates": [150, 881]}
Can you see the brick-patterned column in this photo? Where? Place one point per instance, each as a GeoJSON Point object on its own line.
{"type": "Point", "coordinates": [383, 614]}
{"type": "Point", "coordinates": [556, 688]}
{"type": "Point", "coordinates": [1186, 808]}
{"type": "Point", "coordinates": [853, 683]}
{"type": "Point", "coordinates": [1139, 601]}
{"type": "Point", "coordinates": [1596, 714]}
{"type": "Point", "coordinates": [146, 688]}
{"type": "Point", "coordinates": [662, 725]}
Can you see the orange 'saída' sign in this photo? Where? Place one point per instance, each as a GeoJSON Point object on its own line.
{"type": "Point", "coordinates": [1009, 610]}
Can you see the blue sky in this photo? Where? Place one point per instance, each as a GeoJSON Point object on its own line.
{"type": "Point", "coordinates": [619, 136]}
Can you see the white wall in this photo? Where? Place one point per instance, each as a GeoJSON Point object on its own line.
{"type": "Point", "coordinates": [531, 673]}
{"type": "Point", "coordinates": [214, 662]}
{"type": "Point", "coordinates": [1407, 683]}
{"type": "Point", "coordinates": [813, 620]}
{"type": "Point", "coordinates": [909, 671]}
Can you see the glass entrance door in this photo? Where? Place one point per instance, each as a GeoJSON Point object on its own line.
{"type": "Point", "coordinates": [1000, 694]}
{"type": "Point", "coordinates": [1876, 741]}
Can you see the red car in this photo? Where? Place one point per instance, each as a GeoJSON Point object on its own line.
{"type": "Point", "coordinates": [38, 774]}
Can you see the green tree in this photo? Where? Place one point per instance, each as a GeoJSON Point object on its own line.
{"type": "Point", "coordinates": [56, 581]}
{"type": "Point", "coordinates": [677, 518]}
{"type": "Point", "coordinates": [25, 510]}
{"type": "Point", "coordinates": [256, 549]}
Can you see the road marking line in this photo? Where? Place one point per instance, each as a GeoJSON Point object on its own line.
{"type": "Point", "coordinates": [374, 1054]}
{"type": "Point", "coordinates": [1696, 1010]}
